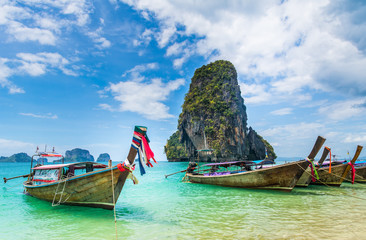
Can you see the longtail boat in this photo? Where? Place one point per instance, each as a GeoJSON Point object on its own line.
{"type": "Point", "coordinates": [308, 175]}
{"type": "Point", "coordinates": [360, 173]}
{"type": "Point", "coordinates": [335, 175]}
{"type": "Point", "coordinates": [100, 185]}
{"type": "Point", "coordinates": [247, 175]}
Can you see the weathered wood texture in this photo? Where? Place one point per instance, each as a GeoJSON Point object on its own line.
{"type": "Point", "coordinates": [92, 189]}
{"type": "Point", "coordinates": [332, 179]}
{"type": "Point", "coordinates": [360, 175]}
{"type": "Point", "coordinates": [338, 173]}
{"type": "Point", "coordinates": [306, 177]}
{"type": "Point", "coordinates": [282, 177]}
{"type": "Point", "coordinates": [89, 189]}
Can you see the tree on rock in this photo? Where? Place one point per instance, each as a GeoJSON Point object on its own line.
{"type": "Point", "coordinates": [214, 117]}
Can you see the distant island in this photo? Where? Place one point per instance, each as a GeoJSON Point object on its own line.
{"type": "Point", "coordinates": [78, 155]}
{"type": "Point", "coordinates": [74, 155]}
{"type": "Point", "coordinates": [18, 157]}
{"type": "Point", "coordinates": [213, 121]}
{"type": "Point", "coordinates": [104, 157]}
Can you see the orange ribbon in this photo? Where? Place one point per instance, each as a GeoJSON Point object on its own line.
{"type": "Point", "coordinates": [330, 159]}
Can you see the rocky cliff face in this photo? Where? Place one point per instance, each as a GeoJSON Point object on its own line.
{"type": "Point", "coordinates": [103, 157]}
{"type": "Point", "coordinates": [258, 146]}
{"type": "Point", "coordinates": [214, 117]}
{"type": "Point", "coordinates": [78, 155]}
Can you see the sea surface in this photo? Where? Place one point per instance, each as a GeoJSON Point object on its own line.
{"type": "Point", "coordinates": [166, 208]}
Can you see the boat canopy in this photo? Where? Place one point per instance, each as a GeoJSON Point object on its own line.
{"type": "Point", "coordinates": [80, 165]}
{"type": "Point", "coordinates": [48, 154]}
{"type": "Point", "coordinates": [51, 155]}
{"type": "Point", "coordinates": [225, 163]}
{"type": "Point", "coordinates": [336, 162]}
{"type": "Point", "coordinates": [241, 163]}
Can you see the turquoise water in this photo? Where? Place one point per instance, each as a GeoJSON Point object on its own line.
{"type": "Point", "coordinates": [160, 208]}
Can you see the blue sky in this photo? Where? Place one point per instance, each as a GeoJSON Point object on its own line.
{"type": "Point", "coordinates": [80, 73]}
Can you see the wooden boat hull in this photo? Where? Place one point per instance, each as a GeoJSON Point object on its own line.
{"type": "Point", "coordinates": [93, 189]}
{"type": "Point", "coordinates": [282, 177]}
{"type": "Point", "coordinates": [338, 173]}
{"type": "Point", "coordinates": [305, 178]}
{"type": "Point", "coordinates": [332, 179]}
{"type": "Point", "coordinates": [360, 175]}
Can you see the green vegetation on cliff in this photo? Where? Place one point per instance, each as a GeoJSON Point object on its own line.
{"type": "Point", "coordinates": [270, 151]}
{"type": "Point", "coordinates": [214, 117]}
{"type": "Point", "coordinates": [173, 148]}
{"type": "Point", "coordinates": [210, 98]}
{"type": "Point", "coordinates": [206, 96]}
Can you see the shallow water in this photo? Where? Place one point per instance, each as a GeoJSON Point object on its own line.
{"type": "Point", "coordinates": [160, 208]}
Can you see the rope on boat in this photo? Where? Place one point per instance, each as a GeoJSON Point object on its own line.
{"type": "Point", "coordinates": [16, 185]}
{"type": "Point", "coordinates": [349, 180]}
{"type": "Point", "coordinates": [114, 204]}
{"type": "Point", "coordinates": [185, 178]}
{"type": "Point", "coordinates": [358, 176]}
{"type": "Point", "coordinates": [335, 188]}
{"type": "Point", "coordinates": [344, 178]}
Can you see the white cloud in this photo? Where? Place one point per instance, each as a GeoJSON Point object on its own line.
{"type": "Point", "coordinates": [5, 73]}
{"type": "Point", "coordinates": [282, 111]}
{"type": "Point", "coordinates": [176, 48]}
{"type": "Point", "coordinates": [100, 41]}
{"type": "Point", "coordinates": [164, 36]}
{"type": "Point", "coordinates": [107, 107]}
{"type": "Point", "coordinates": [33, 69]}
{"type": "Point", "coordinates": [344, 110]}
{"type": "Point", "coordinates": [181, 50]}
{"type": "Point", "coordinates": [33, 65]}
{"type": "Point", "coordinates": [102, 93]}
{"type": "Point", "coordinates": [37, 64]}
{"type": "Point", "coordinates": [144, 38]}
{"type": "Point", "coordinates": [255, 93]}
{"type": "Point", "coordinates": [32, 20]}
{"type": "Point", "coordinates": [292, 139]}
{"type": "Point", "coordinates": [297, 45]}
{"type": "Point", "coordinates": [294, 131]}
{"type": "Point", "coordinates": [142, 68]}
{"type": "Point", "coordinates": [46, 116]}
{"type": "Point", "coordinates": [77, 10]}
{"type": "Point", "coordinates": [359, 138]}
{"type": "Point", "coordinates": [135, 72]}
{"type": "Point", "coordinates": [9, 147]}
{"type": "Point", "coordinates": [23, 34]}
{"type": "Point", "coordinates": [144, 98]}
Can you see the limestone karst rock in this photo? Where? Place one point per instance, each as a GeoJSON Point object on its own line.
{"type": "Point", "coordinates": [103, 157]}
{"type": "Point", "coordinates": [214, 117]}
{"type": "Point", "coordinates": [78, 155]}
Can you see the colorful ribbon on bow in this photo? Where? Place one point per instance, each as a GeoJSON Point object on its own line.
{"type": "Point", "coordinates": [313, 170]}
{"type": "Point", "coordinates": [353, 171]}
{"type": "Point", "coordinates": [140, 142]}
{"type": "Point", "coordinates": [125, 166]}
